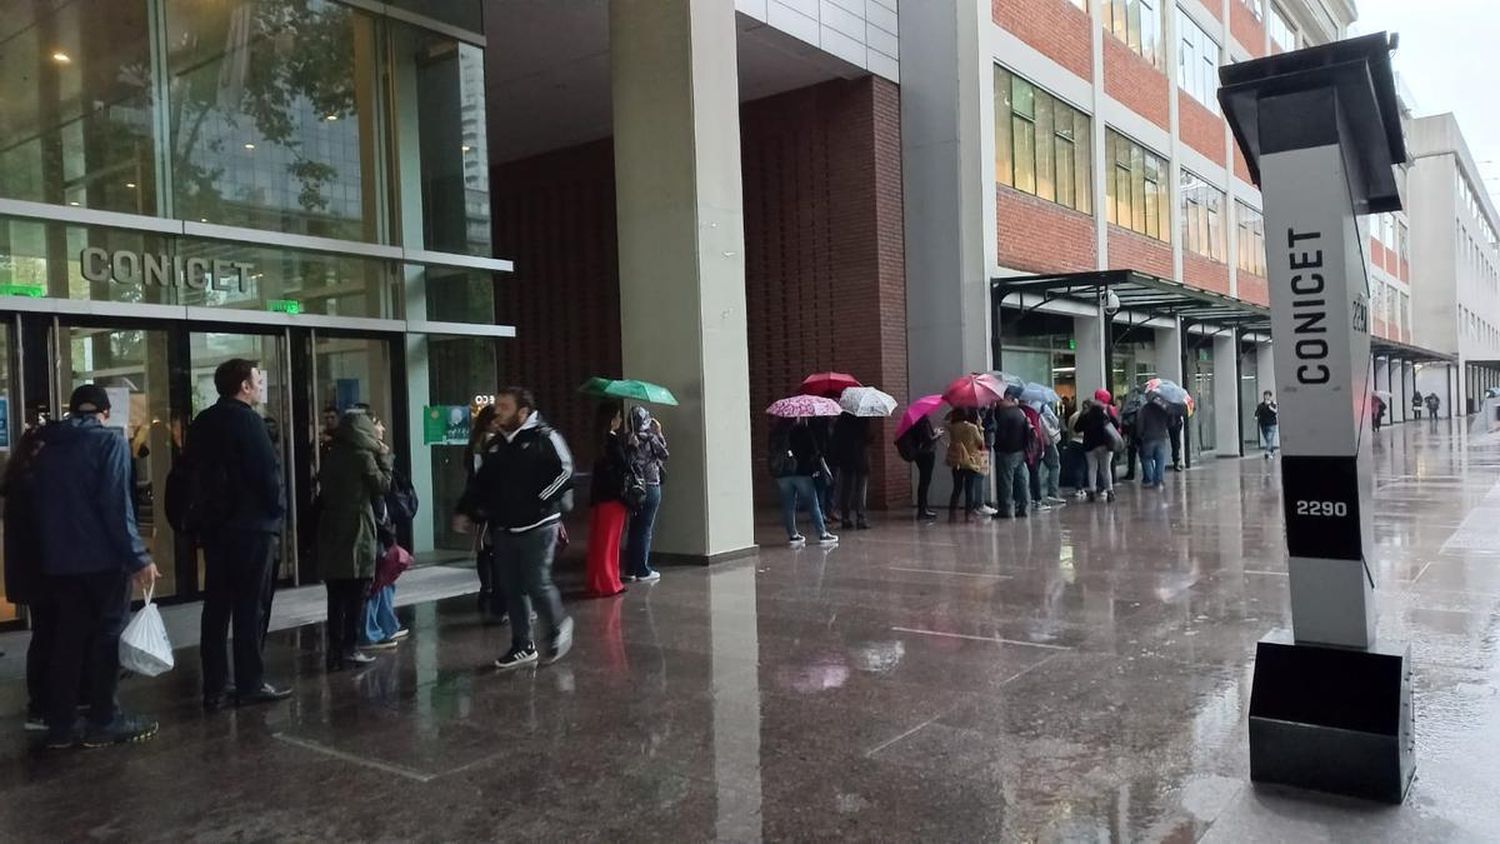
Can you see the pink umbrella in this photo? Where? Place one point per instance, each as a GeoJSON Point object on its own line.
{"type": "Point", "coordinates": [977, 389]}
{"type": "Point", "coordinates": [916, 410]}
{"type": "Point", "coordinates": [793, 407]}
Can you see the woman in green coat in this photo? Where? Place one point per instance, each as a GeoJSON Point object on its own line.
{"type": "Point", "coordinates": [356, 471]}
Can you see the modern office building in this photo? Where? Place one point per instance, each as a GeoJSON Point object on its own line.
{"type": "Point", "coordinates": [301, 182]}
{"type": "Point", "coordinates": [1456, 305]}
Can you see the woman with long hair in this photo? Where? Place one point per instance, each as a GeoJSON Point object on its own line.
{"type": "Point", "coordinates": [646, 446]}
{"type": "Point", "coordinates": [356, 472]}
{"type": "Point", "coordinates": [613, 486]}
{"type": "Point", "coordinates": [492, 600]}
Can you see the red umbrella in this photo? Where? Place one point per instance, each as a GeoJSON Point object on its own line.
{"type": "Point", "coordinates": [977, 389]}
{"type": "Point", "coordinates": [829, 384]}
{"type": "Point", "coordinates": [916, 410]}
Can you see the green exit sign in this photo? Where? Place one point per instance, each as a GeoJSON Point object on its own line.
{"type": "Point", "coordinates": [22, 290]}
{"type": "Point", "coordinates": [284, 306]}
{"type": "Point", "coordinates": [1072, 344]}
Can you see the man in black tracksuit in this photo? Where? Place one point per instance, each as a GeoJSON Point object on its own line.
{"type": "Point", "coordinates": [229, 442]}
{"type": "Point", "coordinates": [521, 490]}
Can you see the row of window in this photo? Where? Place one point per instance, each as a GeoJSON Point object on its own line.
{"type": "Point", "coordinates": [1479, 261]}
{"type": "Point", "coordinates": [1197, 62]}
{"type": "Point", "coordinates": [1042, 147]}
{"type": "Point", "coordinates": [1388, 303]}
{"type": "Point", "coordinates": [1469, 199]}
{"type": "Point", "coordinates": [1138, 23]}
{"type": "Point", "coordinates": [1392, 234]}
{"type": "Point", "coordinates": [1282, 33]}
{"type": "Point", "coordinates": [1477, 329]}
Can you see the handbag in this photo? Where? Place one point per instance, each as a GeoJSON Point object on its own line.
{"type": "Point", "coordinates": [144, 646]}
{"type": "Point", "coordinates": [1116, 442]}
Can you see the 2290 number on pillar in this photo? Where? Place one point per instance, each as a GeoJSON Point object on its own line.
{"type": "Point", "coordinates": [1331, 509]}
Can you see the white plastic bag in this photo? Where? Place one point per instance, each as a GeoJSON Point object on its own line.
{"type": "Point", "coordinates": [144, 647]}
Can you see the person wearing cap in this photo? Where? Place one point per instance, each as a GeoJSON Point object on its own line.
{"type": "Point", "coordinates": [91, 553]}
{"type": "Point", "coordinates": [1012, 431]}
{"type": "Point", "coordinates": [242, 508]}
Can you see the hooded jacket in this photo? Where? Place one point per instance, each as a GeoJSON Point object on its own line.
{"type": "Point", "coordinates": [646, 449]}
{"type": "Point", "coordinates": [525, 481]}
{"type": "Point", "coordinates": [85, 500]}
{"type": "Point", "coordinates": [355, 474]}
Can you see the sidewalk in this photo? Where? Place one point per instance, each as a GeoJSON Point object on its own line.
{"type": "Point", "coordinates": [292, 608]}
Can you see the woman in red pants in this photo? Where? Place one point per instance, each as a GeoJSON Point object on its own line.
{"type": "Point", "coordinates": [610, 490]}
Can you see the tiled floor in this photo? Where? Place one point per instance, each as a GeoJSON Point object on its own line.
{"type": "Point", "coordinates": [1080, 676]}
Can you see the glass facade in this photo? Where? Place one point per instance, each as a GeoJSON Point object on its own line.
{"type": "Point", "coordinates": [1138, 194]}
{"type": "Point", "coordinates": [1042, 144]}
{"type": "Point", "coordinates": [1202, 218]}
{"type": "Point", "coordinates": [306, 117]}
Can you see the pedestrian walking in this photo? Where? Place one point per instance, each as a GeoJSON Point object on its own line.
{"type": "Point", "coordinates": [795, 460]}
{"type": "Point", "coordinates": [232, 494]}
{"type": "Point", "coordinates": [1267, 415]}
{"type": "Point", "coordinates": [493, 606]}
{"type": "Point", "coordinates": [1096, 424]}
{"type": "Point", "coordinates": [522, 488]}
{"type": "Point", "coordinates": [25, 582]}
{"type": "Point", "coordinates": [1154, 428]}
{"type": "Point", "coordinates": [850, 457]}
{"type": "Point", "coordinates": [918, 446]}
{"type": "Point", "coordinates": [1416, 405]}
{"type": "Point", "coordinates": [612, 485]}
{"type": "Point", "coordinates": [393, 511]}
{"type": "Point", "coordinates": [646, 446]}
{"type": "Point", "coordinates": [1433, 402]}
{"type": "Point", "coordinates": [91, 553]}
{"type": "Point", "coordinates": [1012, 431]}
{"type": "Point", "coordinates": [1175, 431]}
{"type": "Point", "coordinates": [356, 473]}
{"type": "Point", "coordinates": [968, 460]}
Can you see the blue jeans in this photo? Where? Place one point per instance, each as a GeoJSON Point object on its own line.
{"type": "Point", "coordinates": [1154, 460]}
{"type": "Point", "coordinates": [793, 487]}
{"type": "Point", "coordinates": [380, 616]}
{"type": "Point", "coordinates": [1270, 438]}
{"type": "Point", "coordinates": [642, 528]}
{"type": "Point", "coordinates": [1014, 482]}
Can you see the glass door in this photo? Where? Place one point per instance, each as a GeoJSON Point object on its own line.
{"type": "Point", "coordinates": [10, 430]}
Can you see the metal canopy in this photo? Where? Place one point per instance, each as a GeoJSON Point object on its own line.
{"type": "Point", "coordinates": [1137, 292]}
{"type": "Point", "coordinates": [1396, 350]}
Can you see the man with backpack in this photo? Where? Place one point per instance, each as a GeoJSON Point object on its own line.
{"type": "Point", "coordinates": [230, 498]}
{"type": "Point", "coordinates": [918, 446]}
{"type": "Point", "coordinates": [1013, 436]}
{"type": "Point", "coordinates": [90, 553]}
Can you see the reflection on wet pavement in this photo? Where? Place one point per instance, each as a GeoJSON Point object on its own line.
{"type": "Point", "coordinates": [1083, 675]}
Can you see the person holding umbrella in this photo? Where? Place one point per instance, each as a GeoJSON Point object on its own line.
{"type": "Point", "coordinates": [646, 446]}
{"type": "Point", "coordinates": [850, 450]}
{"type": "Point", "coordinates": [916, 442]}
{"type": "Point", "coordinates": [795, 460]}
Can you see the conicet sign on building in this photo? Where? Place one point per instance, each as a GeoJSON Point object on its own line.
{"type": "Point", "coordinates": [145, 269]}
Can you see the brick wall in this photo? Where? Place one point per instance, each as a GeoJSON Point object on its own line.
{"type": "Point", "coordinates": [1253, 288]}
{"type": "Point", "coordinates": [1041, 236]}
{"type": "Point", "coordinates": [824, 256]}
{"type": "Point", "coordinates": [1137, 85]}
{"type": "Point", "coordinates": [1056, 28]}
{"type": "Point", "coordinates": [1250, 32]}
{"type": "Point", "coordinates": [1377, 253]}
{"type": "Point", "coordinates": [1200, 128]}
{"type": "Point", "coordinates": [1131, 251]}
{"type": "Point", "coordinates": [1405, 271]}
{"type": "Point", "coordinates": [1205, 273]}
{"type": "Point", "coordinates": [825, 276]}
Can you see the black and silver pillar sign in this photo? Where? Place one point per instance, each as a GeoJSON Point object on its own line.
{"type": "Point", "coordinates": [1331, 704]}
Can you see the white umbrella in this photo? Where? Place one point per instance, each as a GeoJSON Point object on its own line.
{"type": "Point", "coordinates": [867, 401]}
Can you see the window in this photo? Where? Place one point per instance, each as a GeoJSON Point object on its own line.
{"type": "Point", "coordinates": [1282, 33]}
{"type": "Point", "coordinates": [1250, 242]}
{"type": "Point", "coordinates": [1137, 188]}
{"type": "Point", "coordinates": [1197, 62]}
{"type": "Point", "coordinates": [1202, 217]}
{"type": "Point", "coordinates": [1403, 243]}
{"type": "Point", "coordinates": [1138, 23]}
{"type": "Point", "coordinates": [1042, 144]}
{"type": "Point", "coordinates": [1254, 6]}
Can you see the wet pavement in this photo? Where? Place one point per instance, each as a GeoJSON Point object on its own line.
{"type": "Point", "coordinates": [1083, 675]}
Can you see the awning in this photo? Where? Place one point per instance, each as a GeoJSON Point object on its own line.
{"type": "Point", "coordinates": [1138, 292]}
{"type": "Point", "coordinates": [1396, 350]}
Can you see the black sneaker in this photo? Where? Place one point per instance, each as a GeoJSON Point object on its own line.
{"type": "Point", "coordinates": [125, 729]}
{"type": "Point", "coordinates": [562, 642]}
{"type": "Point", "coordinates": [517, 657]}
{"type": "Point", "coordinates": [60, 739]}
{"type": "Point", "coordinates": [35, 723]}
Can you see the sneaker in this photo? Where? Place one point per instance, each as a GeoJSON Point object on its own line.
{"type": "Point", "coordinates": [1093, 496]}
{"type": "Point", "coordinates": [125, 729]}
{"type": "Point", "coordinates": [382, 645]}
{"type": "Point", "coordinates": [60, 739]}
{"type": "Point", "coordinates": [1268, 455]}
{"type": "Point", "coordinates": [828, 539]}
{"type": "Point", "coordinates": [862, 525]}
{"type": "Point", "coordinates": [517, 657]}
{"type": "Point", "coordinates": [1054, 500]}
{"type": "Point", "coordinates": [1041, 507]}
{"type": "Point", "coordinates": [35, 723]}
{"type": "Point", "coordinates": [1109, 496]}
{"type": "Point", "coordinates": [562, 642]}
{"type": "Point", "coordinates": [1081, 494]}
{"type": "Point", "coordinates": [629, 578]}
{"type": "Point", "coordinates": [358, 658]}
{"type": "Point", "coordinates": [401, 634]}
{"type": "Point", "coordinates": [796, 542]}
{"type": "Point", "coordinates": [987, 510]}
{"type": "Point", "coordinates": [649, 578]}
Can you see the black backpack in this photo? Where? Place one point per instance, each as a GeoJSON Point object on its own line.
{"type": "Point", "coordinates": [906, 445]}
{"type": "Point", "coordinates": [200, 494]}
{"type": "Point", "coordinates": [781, 460]}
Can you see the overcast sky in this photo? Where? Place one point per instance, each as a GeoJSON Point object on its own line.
{"type": "Point", "coordinates": [1447, 59]}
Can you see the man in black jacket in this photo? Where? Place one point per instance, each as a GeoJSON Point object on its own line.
{"type": "Point", "coordinates": [231, 454]}
{"type": "Point", "coordinates": [521, 491]}
{"type": "Point", "coordinates": [1012, 429]}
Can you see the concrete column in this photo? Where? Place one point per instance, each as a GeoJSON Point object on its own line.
{"type": "Point", "coordinates": [1088, 335]}
{"type": "Point", "coordinates": [682, 257]}
{"type": "Point", "coordinates": [1169, 353]}
{"type": "Point", "coordinates": [1226, 395]}
{"type": "Point", "coordinates": [1265, 369]}
{"type": "Point", "coordinates": [949, 183]}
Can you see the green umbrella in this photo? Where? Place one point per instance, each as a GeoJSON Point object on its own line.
{"type": "Point", "coordinates": [628, 388]}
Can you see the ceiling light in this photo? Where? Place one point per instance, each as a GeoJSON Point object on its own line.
{"type": "Point", "coordinates": [249, 146]}
{"type": "Point", "coordinates": [202, 219]}
{"type": "Point", "coordinates": [331, 117]}
{"type": "Point", "coordinates": [130, 185]}
{"type": "Point", "coordinates": [61, 58]}
{"type": "Point", "coordinates": [467, 147]}
{"type": "Point", "coordinates": [72, 203]}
